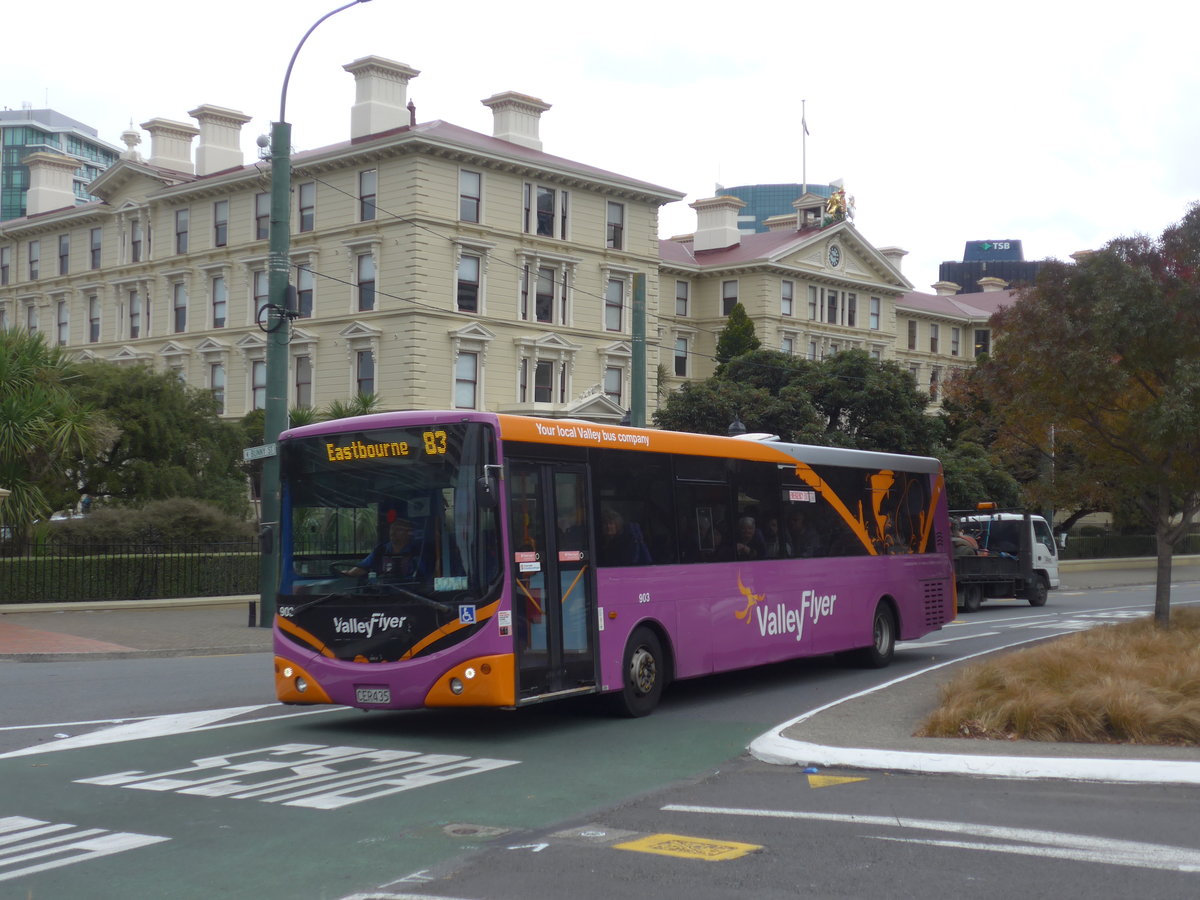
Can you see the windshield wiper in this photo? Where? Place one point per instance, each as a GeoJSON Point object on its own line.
{"type": "Point", "coordinates": [378, 590]}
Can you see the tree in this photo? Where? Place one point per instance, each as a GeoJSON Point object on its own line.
{"type": "Point", "coordinates": [848, 400]}
{"type": "Point", "coordinates": [1103, 356]}
{"type": "Point", "coordinates": [736, 338]}
{"type": "Point", "coordinates": [164, 439]}
{"type": "Point", "coordinates": [871, 405]}
{"type": "Point", "coordinates": [42, 425]}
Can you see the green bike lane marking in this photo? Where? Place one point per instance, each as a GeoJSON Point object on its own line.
{"type": "Point", "coordinates": [232, 821]}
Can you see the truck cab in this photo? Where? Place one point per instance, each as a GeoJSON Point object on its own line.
{"type": "Point", "coordinates": [1016, 556]}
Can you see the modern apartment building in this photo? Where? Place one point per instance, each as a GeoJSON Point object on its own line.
{"type": "Point", "coordinates": [26, 131]}
{"type": "Point", "coordinates": [434, 265]}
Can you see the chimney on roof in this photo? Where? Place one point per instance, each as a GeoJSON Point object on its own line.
{"type": "Point", "coordinates": [51, 179]}
{"type": "Point", "coordinates": [380, 95]}
{"type": "Point", "coordinates": [946, 288]}
{"type": "Point", "coordinates": [717, 222]}
{"type": "Point", "coordinates": [515, 118]}
{"type": "Point", "coordinates": [220, 138]}
{"type": "Point", "coordinates": [171, 144]}
{"type": "Point", "coordinates": [894, 255]}
{"type": "Point", "coordinates": [992, 284]}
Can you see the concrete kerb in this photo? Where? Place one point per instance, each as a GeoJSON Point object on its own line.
{"type": "Point", "coordinates": [1074, 762]}
{"type": "Point", "coordinates": [93, 605]}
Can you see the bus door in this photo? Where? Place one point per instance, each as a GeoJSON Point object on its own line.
{"type": "Point", "coordinates": [553, 592]}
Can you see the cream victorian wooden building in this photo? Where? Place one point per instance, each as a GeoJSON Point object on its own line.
{"type": "Point", "coordinates": [434, 265]}
{"type": "Point", "coordinates": [812, 288]}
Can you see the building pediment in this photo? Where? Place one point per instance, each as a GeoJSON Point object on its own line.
{"type": "Point", "coordinates": [595, 408]}
{"type": "Point", "coordinates": [210, 345]}
{"type": "Point", "coordinates": [359, 330]}
{"type": "Point", "coordinates": [129, 354]}
{"type": "Point", "coordinates": [548, 341]}
{"type": "Point", "coordinates": [616, 348]}
{"type": "Point", "coordinates": [473, 332]}
{"type": "Point", "coordinates": [172, 348]}
{"type": "Point", "coordinates": [840, 251]}
{"type": "Point", "coordinates": [127, 180]}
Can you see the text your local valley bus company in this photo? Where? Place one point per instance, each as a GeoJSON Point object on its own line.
{"type": "Point", "coordinates": [435, 559]}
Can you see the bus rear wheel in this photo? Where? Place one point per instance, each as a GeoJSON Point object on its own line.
{"type": "Point", "coordinates": [883, 638]}
{"type": "Point", "coordinates": [644, 674]}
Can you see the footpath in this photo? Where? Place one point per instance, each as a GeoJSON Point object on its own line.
{"type": "Point", "coordinates": [872, 730]}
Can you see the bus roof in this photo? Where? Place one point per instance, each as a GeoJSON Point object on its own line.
{"type": "Point", "coordinates": [577, 433]}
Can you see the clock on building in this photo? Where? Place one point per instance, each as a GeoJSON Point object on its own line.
{"type": "Point", "coordinates": [835, 255]}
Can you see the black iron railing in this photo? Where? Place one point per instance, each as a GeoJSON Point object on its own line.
{"type": "Point", "coordinates": [56, 571]}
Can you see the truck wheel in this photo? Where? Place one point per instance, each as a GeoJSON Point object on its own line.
{"type": "Point", "coordinates": [972, 597]}
{"type": "Point", "coordinates": [883, 639]}
{"type": "Point", "coordinates": [644, 672]}
{"type": "Point", "coordinates": [1041, 590]}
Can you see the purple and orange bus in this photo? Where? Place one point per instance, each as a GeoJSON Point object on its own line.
{"type": "Point", "coordinates": [440, 559]}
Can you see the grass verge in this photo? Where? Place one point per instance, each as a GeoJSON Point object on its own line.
{"type": "Point", "coordinates": [1128, 683]}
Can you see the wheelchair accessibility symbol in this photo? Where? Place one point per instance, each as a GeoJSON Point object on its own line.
{"type": "Point", "coordinates": [466, 615]}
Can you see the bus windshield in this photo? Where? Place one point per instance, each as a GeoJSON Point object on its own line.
{"type": "Point", "coordinates": [402, 516]}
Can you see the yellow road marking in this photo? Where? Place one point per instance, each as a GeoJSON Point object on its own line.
{"type": "Point", "coordinates": [688, 847]}
{"type": "Point", "coordinates": [820, 781]}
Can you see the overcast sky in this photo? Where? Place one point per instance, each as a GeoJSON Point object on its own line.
{"type": "Point", "coordinates": [1062, 125]}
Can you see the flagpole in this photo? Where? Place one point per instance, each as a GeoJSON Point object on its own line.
{"type": "Point", "coordinates": [803, 149]}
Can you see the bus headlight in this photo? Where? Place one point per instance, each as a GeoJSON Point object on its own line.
{"type": "Point", "coordinates": [456, 686]}
{"type": "Point", "coordinates": [301, 684]}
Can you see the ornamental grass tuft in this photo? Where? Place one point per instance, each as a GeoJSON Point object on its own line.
{"type": "Point", "coordinates": [1130, 683]}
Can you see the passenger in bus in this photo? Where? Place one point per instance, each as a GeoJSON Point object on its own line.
{"type": "Point", "coordinates": [802, 539]}
{"type": "Point", "coordinates": [400, 556]}
{"type": "Point", "coordinates": [749, 543]}
{"type": "Point", "coordinates": [773, 538]}
{"type": "Point", "coordinates": [621, 542]}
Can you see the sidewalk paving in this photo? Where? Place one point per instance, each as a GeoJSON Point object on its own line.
{"type": "Point", "coordinates": [188, 627]}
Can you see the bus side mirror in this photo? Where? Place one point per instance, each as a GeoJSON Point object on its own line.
{"type": "Point", "coordinates": [485, 488]}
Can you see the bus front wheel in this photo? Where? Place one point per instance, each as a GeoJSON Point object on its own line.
{"type": "Point", "coordinates": [883, 638]}
{"type": "Point", "coordinates": [644, 674]}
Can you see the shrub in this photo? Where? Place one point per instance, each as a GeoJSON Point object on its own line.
{"type": "Point", "coordinates": [175, 521]}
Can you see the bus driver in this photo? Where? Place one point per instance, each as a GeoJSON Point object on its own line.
{"type": "Point", "coordinates": [397, 557]}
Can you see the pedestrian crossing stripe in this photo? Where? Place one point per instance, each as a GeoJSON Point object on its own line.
{"type": "Point", "coordinates": [684, 847]}
{"type": "Point", "coordinates": [820, 781]}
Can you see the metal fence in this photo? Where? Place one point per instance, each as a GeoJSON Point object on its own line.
{"type": "Point", "coordinates": [1109, 546]}
{"type": "Point", "coordinates": [84, 571]}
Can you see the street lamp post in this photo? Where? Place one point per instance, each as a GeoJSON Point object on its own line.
{"type": "Point", "coordinates": [278, 315]}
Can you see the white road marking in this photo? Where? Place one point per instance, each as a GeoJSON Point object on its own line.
{"type": "Point", "coordinates": [315, 776]}
{"type": "Point", "coordinates": [900, 645]}
{"type": "Point", "coordinates": [164, 726]}
{"type": "Point", "coordinates": [28, 846]}
{"type": "Point", "coordinates": [41, 725]}
{"type": "Point", "coordinates": [1026, 841]}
